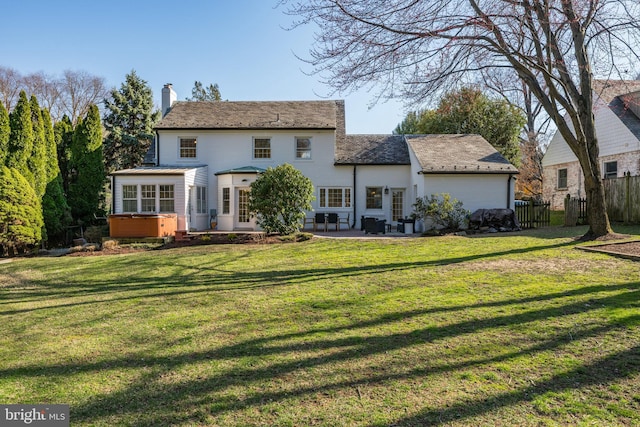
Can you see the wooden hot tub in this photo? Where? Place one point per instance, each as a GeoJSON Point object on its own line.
{"type": "Point", "coordinates": [142, 225]}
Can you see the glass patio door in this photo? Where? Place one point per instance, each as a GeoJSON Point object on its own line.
{"type": "Point", "coordinates": [243, 218]}
{"type": "Point", "coordinates": [397, 205]}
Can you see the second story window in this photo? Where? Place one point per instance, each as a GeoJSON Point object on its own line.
{"type": "Point", "coordinates": [261, 148]}
{"type": "Point", "coordinates": [303, 148]}
{"type": "Point", "coordinates": [188, 148]}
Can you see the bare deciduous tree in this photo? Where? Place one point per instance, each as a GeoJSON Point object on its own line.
{"type": "Point", "coordinates": [72, 94]}
{"type": "Point", "coordinates": [416, 49]}
{"type": "Point", "coordinates": [47, 90]}
{"type": "Point", "coordinates": [79, 91]}
{"type": "Point", "coordinates": [10, 86]}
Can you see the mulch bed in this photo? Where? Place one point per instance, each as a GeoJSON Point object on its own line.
{"type": "Point", "coordinates": [211, 239]}
{"type": "Point", "coordinates": [629, 250]}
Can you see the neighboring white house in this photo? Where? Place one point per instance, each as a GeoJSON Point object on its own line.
{"type": "Point", "coordinates": [617, 112]}
{"type": "Point", "coordinates": [207, 154]}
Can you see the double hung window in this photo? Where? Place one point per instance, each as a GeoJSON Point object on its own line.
{"type": "Point", "coordinates": [562, 178]}
{"type": "Point", "coordinates": [374, 198]}
{"type": "Point", "coordinates": [188, 148]}
{"type": "Point", "coordinates": [303, 148]}
{"type": "Point", "coordinates": [261, 148]}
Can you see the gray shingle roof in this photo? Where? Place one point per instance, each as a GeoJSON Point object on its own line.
{"type": "Point", "coordinates": [457, 154]}
{"type": "Point", "coordinates": [615, 93]}
{"type": "Point", "coordinates": [372, 150]}
{"type": "Point", "coordinates": [251, 115]}
{"type": "Point", "coordinates": [607, 90]}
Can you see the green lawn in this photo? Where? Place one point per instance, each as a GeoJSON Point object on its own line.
{"type": "Point", "coordinates": [499, 330]}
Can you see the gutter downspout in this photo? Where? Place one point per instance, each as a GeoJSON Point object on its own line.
{"type": "Point", "coordinates": [353, 224]}
{"type": "Point", "coordinates": [157, 148]}
{"type": "Point", "coordinates": [509, 191]}
{"type": "Point", "coordinates": [113, 194]}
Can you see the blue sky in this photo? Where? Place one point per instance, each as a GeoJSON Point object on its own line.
{"type": "Point", "coordinates": [240, 44]}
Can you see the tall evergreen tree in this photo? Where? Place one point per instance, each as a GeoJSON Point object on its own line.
{"type": "Point", "coordinates": [129, 122]}
{"type": "Point", "coordinates": [210, 93]}
{"type": "Point", "coordinates": [21, 138]}
{"type": "Point", "coordinates": [20, 213]}
{"type": "Point", "coordinates": [5, 132]}
{"type": "Point", "coordinates": [86, 188]}
{"type": "Point", "coordinates": [63, 131]}
{"type": "Point", "coordinates": [55, 210]}
{"type": "Point", "coordinates": [37, 160]}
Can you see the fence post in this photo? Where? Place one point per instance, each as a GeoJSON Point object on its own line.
{"type": "Point", "coordinates": [571, 211]}
{"type": "Point", "coordinates": [627, 198]}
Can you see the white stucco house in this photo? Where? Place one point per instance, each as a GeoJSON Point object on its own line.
{"type": "Point", "coordinates": [207, 154]}
{"type": "Point", "coordinates": [617, 118]}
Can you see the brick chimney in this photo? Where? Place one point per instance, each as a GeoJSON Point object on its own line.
{"type": "Point", "coordinates": [169, 96]}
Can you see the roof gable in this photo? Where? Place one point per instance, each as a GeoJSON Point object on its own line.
{"type": "Point", "coordinates": [252, 115]}
{"type": "Point", "coordinates": [458, 153]}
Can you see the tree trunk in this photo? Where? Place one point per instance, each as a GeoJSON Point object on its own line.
{"type": "Point", "coordinates": [597, 216]}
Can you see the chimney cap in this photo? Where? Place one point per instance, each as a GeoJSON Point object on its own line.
{"type": "Point", "coordinates": [168, 85]}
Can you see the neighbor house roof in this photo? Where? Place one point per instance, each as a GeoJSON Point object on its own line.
{"type": "Point", "coordinates": [618, 94]}
{"type": "Point", "coordinates": [372, 150]}
{"type": "Point", "coordinates": [607, 90]}
{"type": "Point", "coordinates": [251, 115]}
{"type": "Point", "coordinates": [457, 154]}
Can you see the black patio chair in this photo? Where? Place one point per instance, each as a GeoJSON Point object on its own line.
{"type": "Point", "coordinates": [332, 218]}
{"type": "Point", "coordinates": [320, 219]}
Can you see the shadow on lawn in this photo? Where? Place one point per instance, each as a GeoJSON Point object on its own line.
{"type": "Point", "coordinates": [149, 400]}
{"type": "Point", "coordinates": [184, 279]}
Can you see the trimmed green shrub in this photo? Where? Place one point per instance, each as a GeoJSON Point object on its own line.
{"type": "Point", "coordinates": [20, 213]}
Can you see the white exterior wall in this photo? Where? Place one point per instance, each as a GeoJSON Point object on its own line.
{"type": "Point", "coordinates": [196, 178]}
{"type": "Point", "coordinates": [475, 191]}
{"type": "Point", "coordinates": [226, 221]}
{"type": "Point", "coordinates": [391, 177]}
{"type": "Point", "coordinates": [225, 150]}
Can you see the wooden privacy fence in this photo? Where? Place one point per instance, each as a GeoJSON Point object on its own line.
{"type": "Point", "coordinates": [533, 214]}
{"type": "Point", "coordinates": [575, 211]}
{"type": "Point", "coordinates": [622, 196]}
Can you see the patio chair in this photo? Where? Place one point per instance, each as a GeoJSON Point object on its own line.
{"type": "Point", "coordinates": [343, 220]}
{"type": "Point", "coordinates": [332, 218]}
{"type": "Point", "coordinates": [310, 221]}
{"type": "Point", "coordinates": [320, 219]}
{"type": "Point", "coordinates": [374, 225]}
